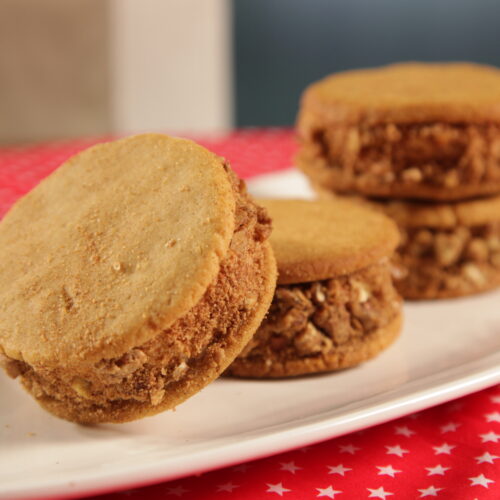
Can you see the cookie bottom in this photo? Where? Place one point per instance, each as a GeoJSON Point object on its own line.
{"type": "Point", "coordinates": [324, 326]}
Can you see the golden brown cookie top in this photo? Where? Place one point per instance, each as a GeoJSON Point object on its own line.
{"type": "Point", "coordinates": [122, 239]}
{"type": "Point", "coordinates": [316, 240]}
{"type": "Point", "coordinates": [407, 93]}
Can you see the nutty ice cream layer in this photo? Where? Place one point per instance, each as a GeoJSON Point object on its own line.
{"type": "Point", "coordinates": [433, 262]}
{"type": "Point", "coordinates": [140, 376]}
{"type": "Point", "coordinates": [322, 325]}
{"type": "Point", "coordinates": [431, 160]}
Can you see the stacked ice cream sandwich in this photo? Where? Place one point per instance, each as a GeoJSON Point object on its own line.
{"type": "Point", "coordinates": [420, 142]}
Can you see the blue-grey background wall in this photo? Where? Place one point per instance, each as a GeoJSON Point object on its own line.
{"type": "Point", "coordinates": [282, 45]}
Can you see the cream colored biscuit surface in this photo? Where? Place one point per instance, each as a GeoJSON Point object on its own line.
{"type": "Point", "coordinates": [324, 239]}
{"type": "Point", "coordinates": [122, 238]}
{"type": "Point", "coordinates": [408, 93]}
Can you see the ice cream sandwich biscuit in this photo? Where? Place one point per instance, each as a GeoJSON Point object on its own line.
{"type": "Point", "coordinates": [335, 304]}
{"type": "Point", "coordinates": [426, 131]}
{"type": "Point", "coordinates": [130, 278]}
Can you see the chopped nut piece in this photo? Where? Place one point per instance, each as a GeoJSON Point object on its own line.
{"type": "Point", "coordinates": [293, 310]}
{"type": "Point", "coordinates": [311, 341]}
{"type": "Point", "coordinates": [398, 271]}
{"type": "Point", "coordinates": [449, 247]}
{"type": "Point", "coordinates": [81, 387]}
{"type": "Point", "coordinates": [179, 370]}
{"type": "Point", "coordinates": [362, 291]}
{"type": "Point", "coordinates": [318, 293]}
{"type": "Point", "coordinates": [124, 366]}
{"type": "Point", "coordinates": [412, 175]}
{"type": "Point", "coordinates": [367, 315]}
{"type": "Point", "coordinates": [474, 274]}
{"type": "Point", "coordinates": [156, 396]}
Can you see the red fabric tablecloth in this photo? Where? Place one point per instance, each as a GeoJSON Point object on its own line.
{"type": "Point", "coordinates": [451, 451]}
{"type": "Point", "coordinates": [250, 152]}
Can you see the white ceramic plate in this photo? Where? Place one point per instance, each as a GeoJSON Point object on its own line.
{"type": "Point", "coordinates": [447, 349]}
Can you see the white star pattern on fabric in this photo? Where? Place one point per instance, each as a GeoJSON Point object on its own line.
{"type": "Point", "coordinates": [444, 449]}
{"type": "Point", "coordinates": [486, 457]}
{"type": "Point", "coordinates": [403, 431]}
{"type": "Point", "coordinates": [449, 427]}
{"type": "Point", "coordinates": [348, 448]}
{"type": "Point", "coordinates": [338, 469]}
{"type": "Point", "coordinates": [490, 437]}
{"type": "Point", "coordinates": [493, 417]}
{"type": "Point", "coordinates": [387, 470]}
{"type": "Point", "coordinates": [327, 492]}
{"type": "Point", "coordinates": [379, 493]}
{"type": "Point", "coordinates": [227, 487]}
{"type": "Point", "coordinates": [480, 481]}
{"type": "Point", "coordinates": [277, 488]}
{"type": "Point", "coordinates": [396, 450]}
{"type": "Point", "coordinates": [178, 491]}
{"type": "Point", "coordinates": [495, 399]}
{"type": "Point", "coordinates": [429, 492]}
{"type": "Point", "coordinates": [241, 468]}
{"type": "Point", "coordinates": [438, 470]}
{"type": "Point", "coordinates": [289, 466]}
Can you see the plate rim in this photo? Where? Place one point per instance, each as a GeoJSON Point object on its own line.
{"type": "Point", "coordinates": [478, 374]}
